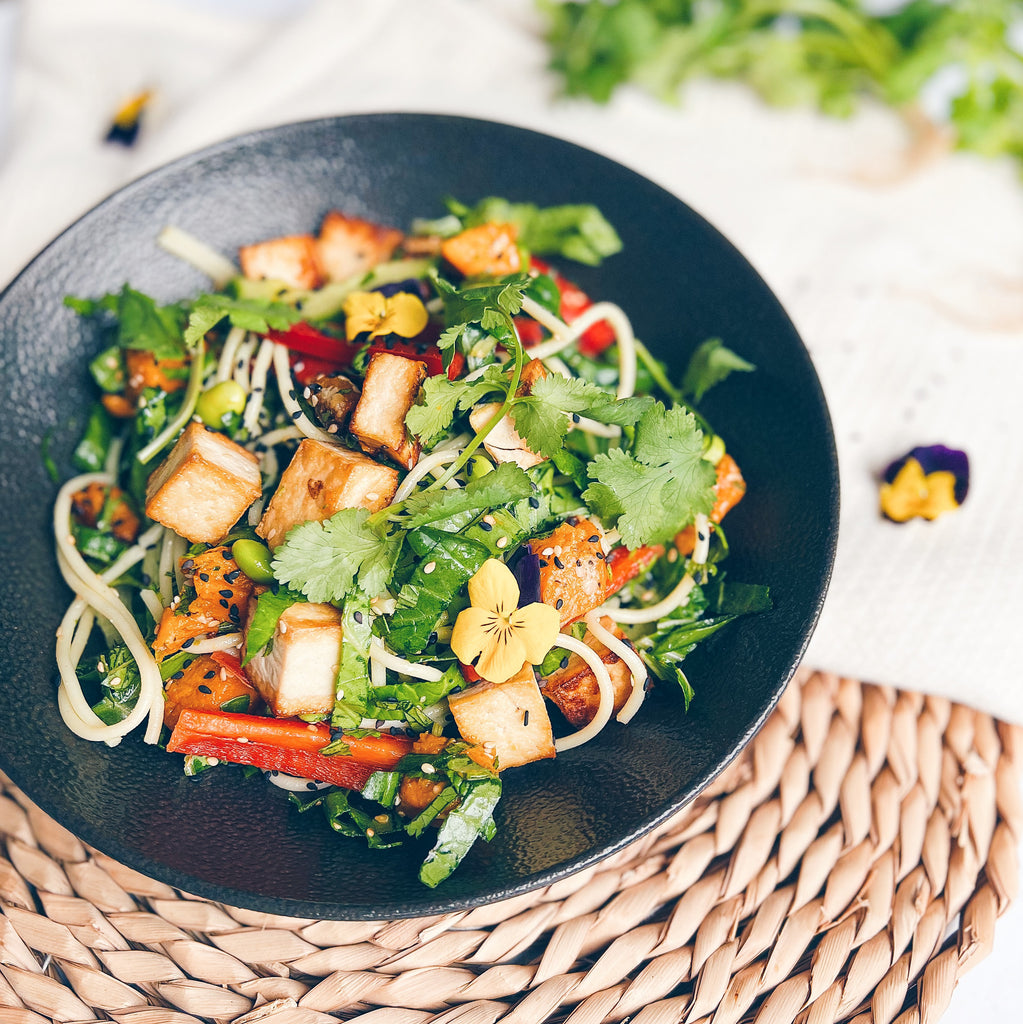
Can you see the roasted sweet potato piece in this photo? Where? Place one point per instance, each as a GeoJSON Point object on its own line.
{"type": "Point", "coordinates": [485, 249]}
{"type": "Point", "coordinates": [98, 503]}
{"type": "Point", "coordinates": [729, 489]}
{"type": "Point", "coordinates": [144, 370]}
{"type": "Point", "coordinates": [293, 259]}
{"type": "Point", "coordinates": [573, 686]}
{"type": "Point", "coordinates": [205, 685]}
{"type": "Point", "coordinates": [574, 575]}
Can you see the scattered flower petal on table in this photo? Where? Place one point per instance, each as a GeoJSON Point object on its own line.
{"type": "Point", "coordinates": [124, 129]}
{"type": "Point", "coordinates": [926, 482]}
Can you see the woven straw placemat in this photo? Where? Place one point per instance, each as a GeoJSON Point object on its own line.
{"type": "Point", "coordinates": [850, 865]}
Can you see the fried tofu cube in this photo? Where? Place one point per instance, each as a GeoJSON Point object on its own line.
{"type": "Point", "coordinates": [322, 479]}
{"type": "Point", "coordinates": [573, 687]}
{"type": "Point", "coordinates": [202, 488]}
{"type": "Point", "coordinates": [388, 392]}
{"type": "Point", "coordinates": [503, 443]}
{"type": "Point", "coordinates": [509, 720]}
{"type": "Point", "coordinates": [296, 676]}
{"type": "Point", "coordinates": [348, 245]}
{"type": "Point", "coordinates": [293, 259]}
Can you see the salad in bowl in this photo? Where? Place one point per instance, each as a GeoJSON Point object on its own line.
{"type": "Point", "coordinates": [388, 512]}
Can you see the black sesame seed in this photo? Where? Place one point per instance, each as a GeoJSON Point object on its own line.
{"type": "Point", "coordinates": [209, 675]}
{"type": "Point", "coordinates": [534, 503]}
{"type": "Point", "coordinates": [146, 579]}
{"type": "Point", "coordinates": [559, 604]}
{"type": "Point", "coordinates": [572, 520]}
{"type": "Point", "coordinates": [564, 662]}
{"type": "Point", "coordinates": [558, 563]}
{"type": "Point", "coordinates": [310, 785]}
{"type": "Point", "coordinates": [297, 414]}
{"type": "Point", "coordinates": [593, 539]}
{"type": "Point", "coordinates": [575, 417]}
{"type": "Point", "coordinates": [224, 603]}
{"type": "Point", "coordinates": [701, 536]}
{"type": "Point", "coordinates": [188, 642]}
{"type": "Point", "coordinates": [600, 554]}
{"type": "Point", "coordinates": [358, 617]}
{"type": "Point", "coordinates": [315, 388]}
{"type": "Point", "coordinates": [259, 449]}
{"type": "Point", "coordinates": [578, 561]}
{"type": "Point", "coordinates": [487, 527]}
{"type": "Point", "coordinates": [525, 717]}
{"type": "Point", "coordinates": [225, 553]}
{"type": "Point", "coordinates": [433, 638]}
{"type": "Point", "coordinates": [226, 593]}
{"type": "Point", "coordinates": [188, 565]}
{"type": "Point", "coordinates": [203, 688]}
{"type": "Point", "coordinates": [291, 393]}
{"type": "Point", "coordinates": [544, 563]}
{"type": "Point", "coordinates": [178, 675]}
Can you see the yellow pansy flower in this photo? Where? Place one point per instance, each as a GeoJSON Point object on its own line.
{"type": "Point", "coordinates": [914, 493]}
{"type": "Point", "coordinates": [496, 631]}
{"type": "Point", "coordinates": [379, 314]}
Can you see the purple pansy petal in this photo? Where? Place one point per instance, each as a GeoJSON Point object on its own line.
{"type": "Point", "coordinates": [934, 458]}
{"type": "Point", "coordinates": [526, 569]}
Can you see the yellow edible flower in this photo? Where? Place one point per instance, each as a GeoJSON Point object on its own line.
{"type": "Point", "coordinates": [379, 314]}
{"type": "Point", "coordinates": [503, 636]}
{"type": "Point", "coordinates": [914, 493]}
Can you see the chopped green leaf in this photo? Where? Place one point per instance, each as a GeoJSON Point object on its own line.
{"type": "Point", "coordinates": [256, 315]}
{"type": "Point", "coordinates": [326, 560]}
{"type": "Point", "coordinates": [351, 687]}
{"type": "Point", "coordinates": [270, 605]}
{"type": "Point", "coordinates": [506, 484]}
{"type": "Point", "coordinates": [471, 819]}
{"type": "Point", "coordinates": [656, 489]}
{"type": "Point", "coordinates": [710, 364]}
{"type": "Point", "coordinates": [440, 398]}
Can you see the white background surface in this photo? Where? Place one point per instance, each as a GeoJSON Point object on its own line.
{"type": "Point", "coordinates": [905, 279]}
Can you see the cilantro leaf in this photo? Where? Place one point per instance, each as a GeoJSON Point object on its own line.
{"type": "Point", "coordinates": [474, 303]}
{"type": "Point", "coordinates": [710, 364]}
{"type": "Point", "coordinates": [352, 686]}
{"type": "Point", "coordinates": [440, 398]}
{"type": "Point", "coordinates": [659, 487]}
{"type": "Point", "coordinates": [506, 484]}
{"type": "Point", "coordinates": [141, 323]}
{"type": "Point", "coordinates": [250, 314]}
{"type": "Point", "coordinates": [327, 560]}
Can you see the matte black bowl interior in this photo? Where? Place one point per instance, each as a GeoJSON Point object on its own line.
{"type": "Point", "coordinates": [238, 841]}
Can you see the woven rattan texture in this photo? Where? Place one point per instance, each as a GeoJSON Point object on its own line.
{"type": "Point", "coordinates": [849, 866]}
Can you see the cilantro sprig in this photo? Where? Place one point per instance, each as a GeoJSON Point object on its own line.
{"type": "Point", "coordinates": [655, 488]}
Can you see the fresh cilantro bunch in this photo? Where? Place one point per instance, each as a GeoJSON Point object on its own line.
{"type": "Point", "coordinates": [823, 53]}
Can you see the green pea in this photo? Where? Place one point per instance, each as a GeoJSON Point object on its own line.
{"type": "Point", "coordinates": [253, 559]}
{"type": "Point", "coordinates": [220, 401]}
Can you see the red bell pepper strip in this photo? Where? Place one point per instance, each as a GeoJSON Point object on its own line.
{"type": "Point", "coordinates": [626, 565]}
{"type": "Point", "coordinates": [575, 302]}
{"type": "Point", "coordinates": [285, 745]}
{"type": "Point", "coordinates": [305, 338]}
{"type": "Point", "coordinates": [231, 664]}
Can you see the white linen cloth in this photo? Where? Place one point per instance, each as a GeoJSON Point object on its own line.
{"type": "Point", "coordinates": [907, 287]}
{"type": "Point", "coordinates": [905, 282]}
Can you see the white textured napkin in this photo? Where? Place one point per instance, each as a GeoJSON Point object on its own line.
{"type": "Point", "coordinates": [906, 282]}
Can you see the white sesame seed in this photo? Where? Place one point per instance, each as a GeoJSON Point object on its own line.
{"type": "Point", "coordinates": [489, 520]}
{"type": "Point", "coordinates": [332, 429]}
{"type": "Point", "coordinates": [283, 626]}
{"type": "Point", "coordinates": [427, 768]}
{"type": "Point", "coordinates": [502, 542]}
{"type": "Point", "coordinates": [223, 674]}
{"type": "Point", "coordinates": [429, 567]}
{"type": "Point", "coordinates": [547, 552]}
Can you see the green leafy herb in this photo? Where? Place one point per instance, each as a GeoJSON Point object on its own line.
{"type": "Point", "coordinates": [351, 688]}
{"type": "Point", "coordinates": [577, 232]}
{"type": "Point", "coordinates": [326, 560]}
{"type": "Point", "coordinates": [824, 53]}
{"type": "Point", "coordinates": [270, 606]}
{"type": "Point", "coordinates": [119, 683]}
{"type": "Point", "coordinates": [396, 701]}
{"type": "Point", "coordinates": [505, 485]}
{"type": "Point", "coordinates": [141, 323]}
{"type": "Point", "coordinates": [710, 364]}
{"type": "Point", "coordinates": [259, 316]}
{"type": "Point", "coordinates": [472, 819]}
{"type": "Point", "coordinates": [654, 490]}
{"type": "Point", "coordinates": [108, 371]}
{"type": "Point", "coordinates": [90, 454]}
{"type": "Point", "coordinates": [441, 398]}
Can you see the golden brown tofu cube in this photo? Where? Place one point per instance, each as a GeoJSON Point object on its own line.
{"type": "Point", "coordinates": [348, 246]}
{"type": "Point", "coordinates": [293, 259]}
{"type": "Point", "coordinates": [509, 720]}
{"type": "Point", "coordinates": [296, 676]}
{"type": "Point", "coordinates": [388, 392]}
{"type": "Point", "coordinates": [202, 488]}
{"type": "Point", "coordinates": [573, 688]}
{"type": "Point", "coordinates": [322, 479]}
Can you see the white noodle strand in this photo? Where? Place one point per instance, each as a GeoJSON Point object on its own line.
{"type": "Point", "coordinates": [198, 254]}
{"type": "Point", "coordinates": [257, 386]}
{"type": "Point", "coordinates": [604, 686]}
{"type": "Point", "coordinates": [378, 652]}
{"type": "Point", "coordinates": [228, 354]}
{"type": "Point", "coordinates": [286, 388]}
{"type": "Point", "coordinates": [636, 667]}
{"type": "Point", "coordinates": [636, 616]}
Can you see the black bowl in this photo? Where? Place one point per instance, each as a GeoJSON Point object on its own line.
{"type": "Point", "coordinates": [237, 840]}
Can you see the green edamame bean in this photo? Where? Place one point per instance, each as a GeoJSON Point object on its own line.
{"type": "Point", "coordinates": [253, 559]}
{"type": "Point", "coordinates": [220, 401]}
